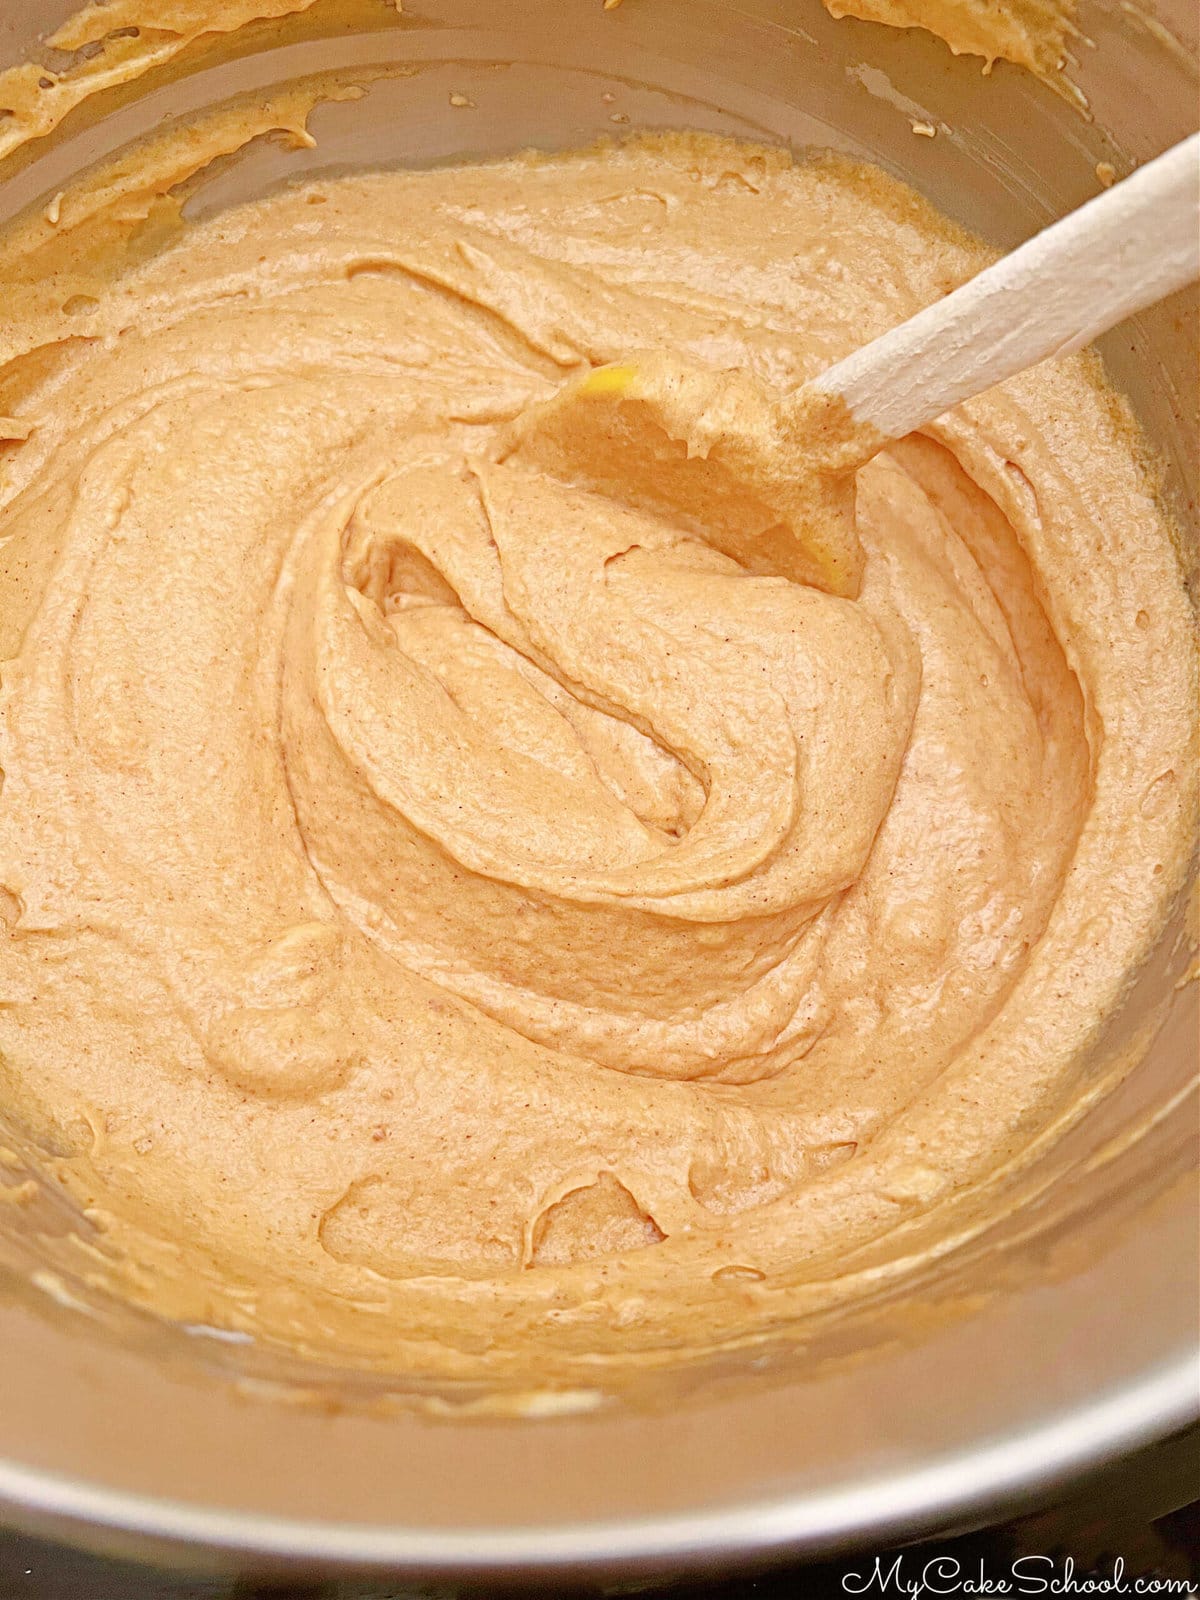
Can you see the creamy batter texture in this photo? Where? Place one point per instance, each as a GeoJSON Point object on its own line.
{"type": "Point", "coordinates": [461, 922]}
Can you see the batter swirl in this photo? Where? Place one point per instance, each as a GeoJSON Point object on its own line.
{"type": "Point", "coordinates": [462, 922]}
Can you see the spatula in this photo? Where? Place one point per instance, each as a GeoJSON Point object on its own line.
{"type": "Point", "coordinates": [770, 481]}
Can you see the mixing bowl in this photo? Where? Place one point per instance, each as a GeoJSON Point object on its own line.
{"type": "Point", "coordinates": [1057, 1339]}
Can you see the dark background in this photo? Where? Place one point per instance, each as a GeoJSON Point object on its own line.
{"type": "Point", "coordinates": [1145, 1511]}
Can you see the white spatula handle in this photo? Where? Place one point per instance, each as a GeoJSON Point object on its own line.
{"type": "Point", "coordinates": [1081, 276]}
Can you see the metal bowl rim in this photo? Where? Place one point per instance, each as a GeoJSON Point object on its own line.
{"type": "Point", "coordinates": [952, 1492]}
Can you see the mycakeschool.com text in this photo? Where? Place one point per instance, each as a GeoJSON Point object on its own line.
{"type": "Point", "coordinates": [917, 1576]}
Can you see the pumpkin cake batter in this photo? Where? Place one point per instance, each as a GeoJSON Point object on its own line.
{"type": "Point", "coordinates": [456, 921]}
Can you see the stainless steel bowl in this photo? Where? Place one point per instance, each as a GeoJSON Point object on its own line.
{"type": "Point", "coordinates": [1064, 1336]}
